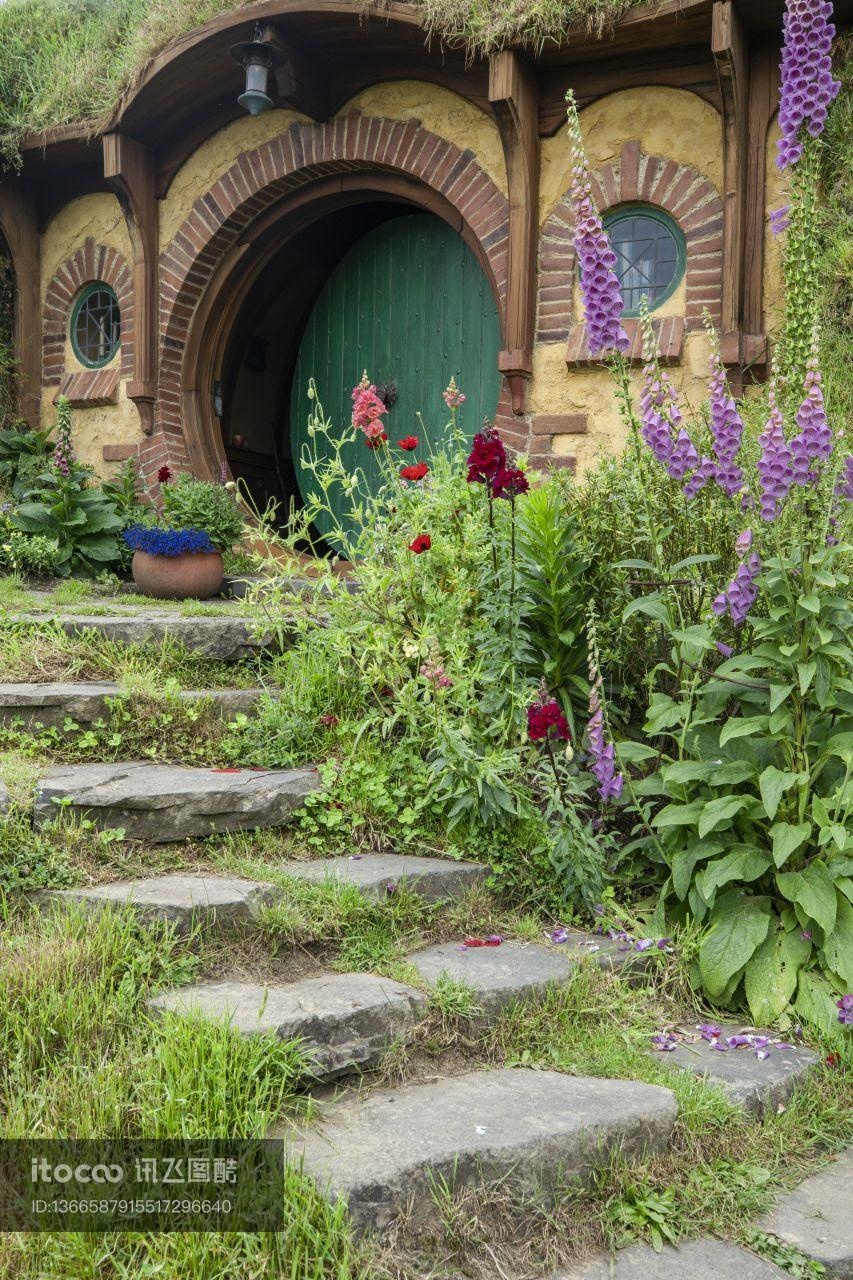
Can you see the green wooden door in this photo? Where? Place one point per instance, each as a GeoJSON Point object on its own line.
{"type": "Point", "coordinates": [411, 304]}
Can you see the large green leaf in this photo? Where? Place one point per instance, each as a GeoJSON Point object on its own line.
{"type": "Point", "coordinates": [741, 864]}
{"type": "Point", "coordinates": [838, 947]}
{"type": "Point", "coordinates": [772, 974]}
{"type": "Point", "coordinates": [742, 727]}
{"type": "Point", "coordinates": [719, 811]}
{"type": "Point", "coordinates": [786, 838]}
{"type": "Point", "coordinates": [773, 784]}
{"type": "Point", "coordinates": [679, 815]}
{"type": "Point", "coordinates": [739, 925]}
{"type": "Point", "coordinates": [813, 890]}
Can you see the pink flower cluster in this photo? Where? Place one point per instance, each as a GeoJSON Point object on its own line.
{"type": "Point", "coordinates": [775, 468]}
{"type": "Point", "coordinates": [452, 396]}
{"type": "Point", "coordinates": [435, 672]}
{"type": "Point", "coordinates": [602, 296]}
{"type": "Point", "coordinates": [603, 755]}
{"type": "Point", "coordinates": [808, 88]}
{"type": "Point", "coordinates": [367, 410]}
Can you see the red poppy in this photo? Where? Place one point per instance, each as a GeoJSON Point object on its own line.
{"type": "Point", "coordinates": [376, 442]}
{"type": "Point", "coordinates": [416, 472]}
{"type": "Point", "coordinates": [408, 443]}
{"type": "Point", "coordinates": [422, 542]}
{"type": "Point", "coordinates": [543, 717]}
{"type": "Point", "coordinates": [164, 475]}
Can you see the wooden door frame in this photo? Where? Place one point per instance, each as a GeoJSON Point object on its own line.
{"type": "Point", "coordinates": [217, 312]}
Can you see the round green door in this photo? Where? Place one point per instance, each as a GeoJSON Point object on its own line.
{"type": "Point", "coordinates": [411, 304]}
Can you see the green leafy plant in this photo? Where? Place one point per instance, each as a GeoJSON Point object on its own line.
{"type": "Point", "coordinates": [24, 455]}
{"type": "Point", "coordinates": [65, 506]}
{"type": "Point", "coordinates": [198, 504]}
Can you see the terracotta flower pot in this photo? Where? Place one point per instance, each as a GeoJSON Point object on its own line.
{"type": "Point", "coordinates": [195, 575]}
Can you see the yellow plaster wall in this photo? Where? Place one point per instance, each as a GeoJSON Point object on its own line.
{"type": "Point", "coordinates": [214, 157]}
{"type": "Point", "coordinates": [679, 126]}
{"type": "Point", "coordinates": [98, 215]}
{"type": "Point", "coordinates": [778, 194]}
{"type": "Point", "coordinates": [441, 112]}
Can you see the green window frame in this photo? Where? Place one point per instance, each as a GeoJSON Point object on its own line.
{"type": "Point", "coordinates": [675, 242]}
{"type": "Point", "coordinates": [96, 325]}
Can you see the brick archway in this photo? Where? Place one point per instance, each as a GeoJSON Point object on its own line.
{"type": "Point", "coordinates": [307, 154]}
{"type": "Point", "coordinates": [92, 263]}
{"type": "Point", "coordinates": [682, 191]}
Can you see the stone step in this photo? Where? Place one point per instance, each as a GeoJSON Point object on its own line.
{"type": "Point", "coordinates": [226, 637]}
{"type": "Point", "coordinates": [757, 1084]}
{"type": "Point", "coordinates": [817, 1218]}
{"type": "Point", "coordinates": [381, 1152]}
{"type": "Point", "coordinates": [377, 874]}
{"type": "Point", "coordinates": [498, 976]}
{"type": "Point", "coordinates": [697, 1260]}
{"type": "Point", "coordinates": [221, 902]}
{"type": "Point", "coordinates": [162, 803]}
{"type": "Point", "coordinates": [49, 705]}
{"type": "Point", "coordinates": [345, 1020]}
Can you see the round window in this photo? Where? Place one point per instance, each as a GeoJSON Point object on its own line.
{"type": "Point", "coordinates": [650, 255]}
{"type": "Point", "coordinates": [96, 326]}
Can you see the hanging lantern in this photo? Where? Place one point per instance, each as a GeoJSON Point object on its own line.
{"type": "Point", "coordinates": [259, 57]}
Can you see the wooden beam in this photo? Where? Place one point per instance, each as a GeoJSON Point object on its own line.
{"type": "Point", "coordinates": [763, 101]}
{"type": "Point", "coordinates": [130, 170]}
{"type": "Point", "coordinates": [19, 225]}
{"type": "Point", "coordinates": [731, 56]}
{"type": "Point", "coordinates": [514, 98]}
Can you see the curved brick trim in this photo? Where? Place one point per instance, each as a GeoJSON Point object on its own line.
{"type": "Point", "coordinates": [304, 153]}
{"type": "Point", "coordinates": [90, 264]}
{"type": "Point", "coordinates": [682, 191]}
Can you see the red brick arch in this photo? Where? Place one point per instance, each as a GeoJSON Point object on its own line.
{"type": "Point", "coordinates": [92, 263]}
{"type": "Point", "coordinates": [685, 193]}
{"type": "Point", "coordinates": [303, 154]}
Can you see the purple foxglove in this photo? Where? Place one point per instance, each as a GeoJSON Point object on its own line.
{"type": "Point", "coordinates": [683, 458]}
{"type": "Point", "coordinates": [602, 296]}
{"type": "Point", "coordinates": [844, 488]}
{"type": "Point", "coordinates": [726, 428]}
{"type": "Point", "coordinates": [775, 469]}
{"type": "Point", "coordinates": [603, 754]}
{"type": "Point", "coordinates": [780, 220]}
{"type": "Point", "coordinates": [808, 88]}
{"type": "Point", "coordinates": [814, 441]}
{"type": "Point", "coordinates": [705, 471]}
{"type": "Point", "coordinates": [743, 543]}
{"type": "Point", "coordinates": [741, 593]}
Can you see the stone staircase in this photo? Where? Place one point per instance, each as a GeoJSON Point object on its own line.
{"type": "Point", "coordinates": [383, 1150]}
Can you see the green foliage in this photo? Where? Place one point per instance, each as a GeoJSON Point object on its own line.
{"type": "Point", "coordinates": [198, 504]}
{"type": "Point", "coordinates": [64, 506]}
{"type": "Point", "coordinates": [24, 455]}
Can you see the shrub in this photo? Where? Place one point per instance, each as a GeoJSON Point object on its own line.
{"type": "Point", "coordinates": [197, 505]}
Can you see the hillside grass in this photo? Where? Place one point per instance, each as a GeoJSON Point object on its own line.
{"type": "Point", "coordinates": [69, 61]}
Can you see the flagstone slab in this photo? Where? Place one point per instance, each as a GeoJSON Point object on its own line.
{"type": "Point", "coordinates": [220, 902]}
{"type": "Point", "coordinates": [51, 704]}
{"type": "Point", "coordinates": [378, 874]}
{"type": "Point", "coordinates": [345, 1020]}
{"type": "Point", "coordinates": [817, 1218]}
{"type": "Point", "coordinates": [757, 1085]}
{"type": "Point", "coordinates": [498, 976]}
{"type": "Point", "coordinates": [382, 1152]}
{"type": "Point", "coordinates": [162, 803]}
{"type": "Point", "coordinates": [226, 637]}
{"type": "Point", "coordinates": [697, 1260]}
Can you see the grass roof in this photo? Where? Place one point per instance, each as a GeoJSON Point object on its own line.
{"type": "Point", "coordinates": [68, 61]}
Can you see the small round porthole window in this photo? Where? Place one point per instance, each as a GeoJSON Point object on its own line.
{"type": "Point", "coordinates": [650, 255]}
{"type": "Point", "coordinates": [96, 326]}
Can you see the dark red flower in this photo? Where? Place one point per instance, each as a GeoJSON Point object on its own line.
{"type": "Point", "coordinates": [546, 720]}
{"type": "Point", "coordinates": [408, 443]}
{"type": "Point", "coordinates": [330, 721]}
{"type": "Point", "coordinates": [376, 442]}
{"type": "Point", "coordinates": [487, 456]}
{"type": "Point", "coordinates": [415, 472]}
{"type": "Point", "coordinates": [422, 543]}
{"type": "Point", "coordinates": [164, 475]}
{"type": "Point", "coordinates": [509, 483]}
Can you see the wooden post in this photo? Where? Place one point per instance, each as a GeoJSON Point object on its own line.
{"type": "Point", "coordinates": [19, 226]}
{"type": "Point", "coordinates": [130, 171]}
{"type": "Point", "coordinates": [763, 101]}
{"type": "Point", "coordinates": [515, 101]}
{"type": "Point", "coordinates": [731, 56]}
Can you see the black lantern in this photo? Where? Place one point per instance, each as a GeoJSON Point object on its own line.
{"type": "Point", "coordinates": [259, 57]}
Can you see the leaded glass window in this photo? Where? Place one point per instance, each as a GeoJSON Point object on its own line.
{"type": "Point", "coordinates": [650, 255]}
{"type": "Point", "coordinates": [96, 326]}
